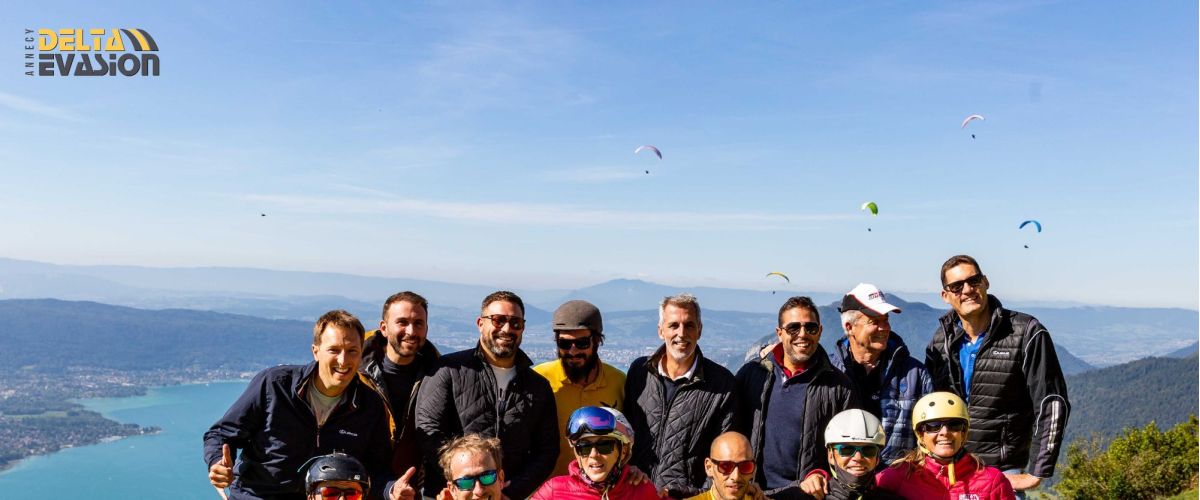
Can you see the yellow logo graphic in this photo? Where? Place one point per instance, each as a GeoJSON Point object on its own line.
{"type": "Point", "coordinates": [91, 52]}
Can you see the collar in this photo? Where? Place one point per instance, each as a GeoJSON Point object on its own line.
{"type": "Point", "coordinates": [687, 375]}
{"type": "Point", "coordinates": [777, 355]}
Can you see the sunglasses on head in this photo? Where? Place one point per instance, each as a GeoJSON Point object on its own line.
{"type": "Point", "coordinates": [467, 483]}
{"type": "Point", "coordinates": [726, 467]}
{"type": "Point", "coordinates": [498, 321]}
{"type": "Point", "coordinates": [809, 327]}
{"type": "Point", "coordinates": [955, 425]}
{"type": "Point", "coordinates": [603, 447]}
{"type": "Point", "coordinates": [848, 450]}
{"type": "Point", "coordinates": [579, 343]}
{"type": "Point", "coordinates": [957, 286]}
{"type": "Point", "coordinates": [332, 493]}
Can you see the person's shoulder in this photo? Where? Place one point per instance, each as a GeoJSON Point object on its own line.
{"type": "Point", "coordinates": [638, 367]}
{"type": "Point", "coordinates": [612, 374]}
{"type": "Point", "coordinates": [458, 359]}
{"type": "Point", "coordinates": [890, 477]}
{"type": "Point", "coordinates": [715, 373]}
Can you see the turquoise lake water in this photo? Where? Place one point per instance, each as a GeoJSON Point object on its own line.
{"type": "Point", "coordinates": [165, 465]}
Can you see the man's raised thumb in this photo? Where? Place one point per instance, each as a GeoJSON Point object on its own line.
{"type": "Point", "coordinates": [226, 456]}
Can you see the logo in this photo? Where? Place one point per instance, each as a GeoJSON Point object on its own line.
{"type": "Point", "coordinates": [1003, 354]}
{"type": "Point", "coordinates": [345, 432]}
{"type": "Point", "coordinates": [90, 52]}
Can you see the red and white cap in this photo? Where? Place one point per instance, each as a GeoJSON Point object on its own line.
{"type": "Point", "coordinates": [867, 298]}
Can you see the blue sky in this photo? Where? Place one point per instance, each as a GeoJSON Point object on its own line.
{"type": "Point", "coordinates": [493, 143]}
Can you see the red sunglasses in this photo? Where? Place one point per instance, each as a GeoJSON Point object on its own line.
{"type": "Point", "coordinates": [726, 467]}
{"type": "Point", "coordinates": [331, 493]}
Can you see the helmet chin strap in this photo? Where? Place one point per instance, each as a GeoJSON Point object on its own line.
{"type": "Point", "coordinates": [953, 459]}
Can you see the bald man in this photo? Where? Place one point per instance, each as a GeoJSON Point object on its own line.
{"type": "Point", "coordinates": [730, 467]}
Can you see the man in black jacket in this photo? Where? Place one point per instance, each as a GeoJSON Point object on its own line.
{"type": "Point", "coordinates": [677, 401]}
{"type": "Point", "coordinates": [787, 396]}
{"type": "Point", "coordinates": [492, 390]}
{"type": "Point", "coordinates": [291, 413]}
{"type": "Point", "coordinates": [398, 358]}
{"type": "Point", "coordinates": [1003, 364]}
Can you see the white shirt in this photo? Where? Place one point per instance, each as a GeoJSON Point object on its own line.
{"type": "Point", "coordinates": [662, 364]}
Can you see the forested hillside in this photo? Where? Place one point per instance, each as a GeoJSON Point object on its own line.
{"type": "Point", "coordinates": [1105, 401]}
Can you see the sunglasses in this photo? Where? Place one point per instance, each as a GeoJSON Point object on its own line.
{"type": "Point", "coordinates": [603, 447]}
{"type": "Point", "coordinates": [809, 327]}
{"type": "Point", "coordinates": [954, 425]}
{"type": "Point", "coordinates": [579, 343]}
{"type": "Point", "coordinates": [848, 450]}
{"type": "Point", "coordinates": [331, 493]}
{"type": "Point", "coordinates": [726, 467]}
{"type": "Point", "coordinates": [498, 321]}
{"type": "Point", "coordinates": [467, 483]}
{"type": "Point", "coordinates": [957, 286]}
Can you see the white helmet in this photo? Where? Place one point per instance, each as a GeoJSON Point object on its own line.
{"type": "Point", "coordinates": [854, 426]}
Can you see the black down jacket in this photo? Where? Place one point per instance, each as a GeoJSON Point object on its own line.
{"type": "Point", "coordinates": [673, 437]}
{"type": "Point", "coordinates": [407, 447]}
{"type": "Point", "coordinates": [461, 398]}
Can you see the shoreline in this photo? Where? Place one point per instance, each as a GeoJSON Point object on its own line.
{"type": "Point", "coordinates": [9, 466]}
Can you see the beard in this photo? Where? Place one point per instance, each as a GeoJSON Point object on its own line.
{"type": "Point", "coordinates": [579, 374]}
{"type": "Point", "coordinates": [489, 342]}
{"type": "Point", "coordinates": [397, 344]}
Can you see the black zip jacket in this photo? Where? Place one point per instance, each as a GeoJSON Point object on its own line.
{"type": "Point", "coordinates": [273, 431]}
{"type": "Point", "coordinates": [1018, 403]}
{"type": "Point", "coordinates": [673, 437]}
{"type": "Point", "coordinates": [408, 452]}
{"type": "Point", "coordinates": [828, 393]}
{"type": "Point", "coordinates": [461, 398]}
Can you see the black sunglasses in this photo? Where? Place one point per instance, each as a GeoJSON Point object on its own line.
{"type": "Point", "coordinates": [467, 483]}
{"type": "Point", "coordinates": [745, 467]}
{"type": "Point", "coordinates": [809, 327]}
{"type": "Point", "coordinates": [848, 450]}
{"type": "Point", "coordinates": [603, 447]}
{"type": "Point", "coordinates": [957, 286]}
{"type": "Point", "coordinates": [579, 343]}
{"type": "Point", "coordinates": [955, 425]}
{"type": "Point", "coordinates": [498, 321]}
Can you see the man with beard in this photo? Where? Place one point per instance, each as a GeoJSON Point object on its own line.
{"type": "Point", "coordinates": [398, 358]}
{"type": "Point", "coordinates": [887, 379]}
{"type": "Point", "coordinates": [787, 397]}
{"type": "Point", "coordinates": [578, 377]}
{"type": "Point", "coordinates": [678, 401]}
{"type": "Point", "coordinates": [492, 390]}
{"type": "Point", "coordinates": [1003, 364]}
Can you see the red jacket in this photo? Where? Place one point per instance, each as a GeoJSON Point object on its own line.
{"type": "Point", "coordinates": [571, 487]}
{"type": "Point", "coordinates": [932, 482]}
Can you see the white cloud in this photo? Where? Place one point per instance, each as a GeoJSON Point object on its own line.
{"type": "Point", "coordinates": [595, 174]}
{"type": "Point", "coordinates": [31, 106]}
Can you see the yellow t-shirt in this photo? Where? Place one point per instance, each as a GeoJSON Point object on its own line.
{"type": "Point", "coordinates": [708, 495]}
{"type": "Point", "coordinates": [607, 390]}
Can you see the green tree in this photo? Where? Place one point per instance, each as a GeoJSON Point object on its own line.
{"type": "Point", "coordinates": [1141, 463]}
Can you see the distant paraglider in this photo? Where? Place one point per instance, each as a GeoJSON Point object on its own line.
{"type": "Point", "coordinates": [968, 120]}
{"type": "Point", "coordinates": [870, 205]}
{"type": "Point", "coordinates": [781, 275]}
{"type": "Point", "coordinates": [1037, 225]}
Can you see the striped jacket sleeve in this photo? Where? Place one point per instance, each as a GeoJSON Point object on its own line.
{"type": "Point", "coordinates": [1048, 391]}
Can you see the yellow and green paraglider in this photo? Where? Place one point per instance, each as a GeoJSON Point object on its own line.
{"type": "Point", "coordinates": [870, 205]}
{"type": "Point", "coordinates": [781, 275]}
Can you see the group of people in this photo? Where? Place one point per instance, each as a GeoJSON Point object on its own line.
{"type": "Point", "coordinates": [383, 414]}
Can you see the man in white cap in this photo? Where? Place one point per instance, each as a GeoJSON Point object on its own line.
{"type": "Point", "coordinates": [880, 367]}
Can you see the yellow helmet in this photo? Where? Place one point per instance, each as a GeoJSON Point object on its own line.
{"type": "Point", "coordinates": [938, 406]}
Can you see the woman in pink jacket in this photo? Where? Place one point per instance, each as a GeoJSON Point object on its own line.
{"type": "Point", "coordinates": [603, 441]}
{"type": "Point", "coordinates": [940, 467]}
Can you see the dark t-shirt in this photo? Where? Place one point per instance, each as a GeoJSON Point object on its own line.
{"type": "Point", "coordinates": [868, 384]}
{"type": "Point", "coordinates": [399, 380]}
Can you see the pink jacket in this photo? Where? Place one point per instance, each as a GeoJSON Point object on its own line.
{"type": "Point", "coordinates": [571, 487]}
{"type": "Point", "coordinates": [932, 482]}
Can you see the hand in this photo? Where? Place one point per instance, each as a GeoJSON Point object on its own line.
{"type": "Point", "coordinates": [401, 489]}
{"type": "Point", "coordinates": [815, 485]}
{"type": "Point", "coordinates": [755, 492]}
{"type": "Point", "coordinates": [1023, 481]}
{"type": "Point", "coordinates": [220, 474]}
{"type": "Point", "coordinates": [636, 476]}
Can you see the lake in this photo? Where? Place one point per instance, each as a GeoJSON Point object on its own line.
{"type": "Point", "coordinates": [169, 464]}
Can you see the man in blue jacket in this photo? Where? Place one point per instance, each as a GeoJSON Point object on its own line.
{"type": "Point", "coordinates": [291, 413]}
{"type": "Point", "coordinates": [887, 379]}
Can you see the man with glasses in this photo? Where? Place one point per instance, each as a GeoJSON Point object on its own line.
{"type": "Point", "coordinates": [472, 464]}
{"type": "Point", "coordinates": [886, 378]}
{"type": "Point", "coordinates": [578, 377]}
{"type": "Point", "coordinates": [1003, 363]}
{"type": "Point", "coordinates": [492, 390]}
{"type": "Point", "coordinates": [787, 396]}
{"type": "Point", "coordinates": [854, 440]}
{"type": "Point", "coordinates": [678, 401]}
{"type": "Point", "coordinates": [730, 466]}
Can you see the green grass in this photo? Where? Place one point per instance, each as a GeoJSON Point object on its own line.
{"type": "Point", "coordinates": [1191, 494]}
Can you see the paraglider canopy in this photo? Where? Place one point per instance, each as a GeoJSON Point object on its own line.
{"type": "Point", "coordinates": [870, 205]}
{"type": "Point", "coordinates": [648, 147]}
{"type": "Point", "coordinates": [781, 275]}
{"type": "Point", "coordinates": [1036, 224]}
{"type": "Point", "coordinates": [969, 119]}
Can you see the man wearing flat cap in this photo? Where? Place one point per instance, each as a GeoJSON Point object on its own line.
{"type": "Point", "coordinates": [887, 379]}
{"type": "Point", "coordinates": [578, 377]}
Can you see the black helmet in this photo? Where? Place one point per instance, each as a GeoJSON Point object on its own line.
{"type": "Point", "coordinates": [336, 466]}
